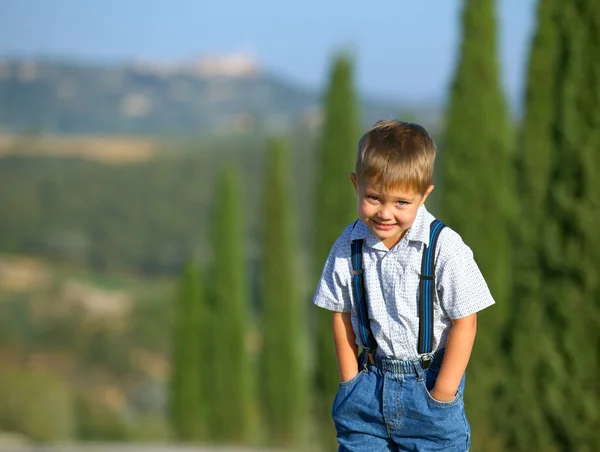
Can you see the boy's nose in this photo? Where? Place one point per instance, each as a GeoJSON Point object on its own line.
{"type": "Point", "coordinates": [385, 213]}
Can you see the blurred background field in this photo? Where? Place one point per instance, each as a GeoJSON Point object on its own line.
{"type": "Point", "coordinates": [102, 149]}
{"type": "Point", "coordinates": [173, 176]}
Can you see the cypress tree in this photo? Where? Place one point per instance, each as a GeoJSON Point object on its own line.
{"type": "Point", "coordinates": [476, 194]}
{"type": "Point", "coordinates": [335, 208]}
{"type": "Point", "coordinates": [233, 398]}
{"type": "Point", "coordinates": [526, 429]}
{"type": "Point", "coordinates": [284, 383]}
{"type": "Point", "coordinates": [186, 402]}
{"type": "Point", "coordinates": [558, 169]}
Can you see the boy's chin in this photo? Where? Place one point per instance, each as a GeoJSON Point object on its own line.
{"type": "Point", "coordinates": [386, 234]}
{"type": "Point", "coordinates": [392, 235]}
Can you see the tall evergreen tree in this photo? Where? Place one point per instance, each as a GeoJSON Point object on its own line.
{"type": "Point", "coordinates": [284, 382]}
{"type": "Point", "coordinates": [556, 340]}
{"type": "Point", "coordinates": [335, 208]}
{"type": "Point", "coordinates": [186, 398]}
{"type": "Point", "coordinates": [233, 398]}
{"type": "Point", "coordinates": [526, 429]}
{"type": "Point", "coordinates": [476, 191]}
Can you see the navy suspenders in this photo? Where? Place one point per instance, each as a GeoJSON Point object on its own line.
{"type": "Point", "coordinates": [427, 289]}
{"type": "Point", "coordinates": [366, 335]}
{"type": "Point", "coordinates": [426, 293]}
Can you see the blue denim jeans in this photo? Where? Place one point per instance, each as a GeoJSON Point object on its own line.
{"type": "Point", "coordinates": [388, 407]}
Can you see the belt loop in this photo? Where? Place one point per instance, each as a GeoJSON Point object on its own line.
{"type": "Point", "coordinates": [418, 369]}
{"type": "Point", "coordinates": [426, 361]}
{"type": "Point", "coordinates": [364, 360]}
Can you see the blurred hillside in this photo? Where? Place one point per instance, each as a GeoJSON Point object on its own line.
{"type": "Point", "coordinates": [88, 348]}
{"type": "Point", "coordinates": [221, 93]}
{"type": "Point", "coordinates": [147, 211]}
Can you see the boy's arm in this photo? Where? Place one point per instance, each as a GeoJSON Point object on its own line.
{"type": "Point", "coordinates": [456, 357]}
{"type": "Point", "coordinates": [345, 345]}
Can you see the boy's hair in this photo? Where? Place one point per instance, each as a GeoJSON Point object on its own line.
{"type": "Point", "coordinates": [395, 154]}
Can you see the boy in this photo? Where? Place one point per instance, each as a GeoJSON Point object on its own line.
{"type": "Point", "coordinates": [413, 316]}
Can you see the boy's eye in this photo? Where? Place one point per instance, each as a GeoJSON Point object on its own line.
{"type": "Point", "coordinates": [373, 198]}
{"type": "Point", "coordinates": [402, 203]}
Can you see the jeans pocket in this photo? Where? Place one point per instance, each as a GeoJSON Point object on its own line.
{"type": "Point", "coordinates": [436, 402]}
{"type": "Point", "coordinates": [352, 380]}
{"type": "Point", "coordinates": [345, 388]}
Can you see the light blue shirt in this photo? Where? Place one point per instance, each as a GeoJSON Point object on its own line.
{"type": "Point", "coordinates": [391, 280]}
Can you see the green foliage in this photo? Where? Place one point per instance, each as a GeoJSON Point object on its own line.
{"type": "Point", "coordinates": [186, 380]}
{"type": "Point", "coordinates": [232, 391]}
{"type": "Point", "coordinates": [16, 326]}
{"type": "Point", "coordinates": [334, 200]}
{"type": "Point", "coordinates": [36, 405]}
{"type": "Point", "coordinates": [150, 429]}
{"type": "Point", "coordinates": [527, 429]}
{"type": "Point", "coordinates": [559, 254]}
{"type": "Point", "coordinates": [100, 215]}
{"type": "Point", "coordinates": [146, 216]}
{"type": "Point", "coordinates": [98, 422]}
{"type": "Point", "coordinates": [40, 326]}
{"type": "Point", "coordinates": [152, 323]}
{"type": "Point", "coordinates": [476, 192]}
{"type": "Point", "coordinates": [283, 326]}
{"type": "Point", "coordinates": [334, 209]}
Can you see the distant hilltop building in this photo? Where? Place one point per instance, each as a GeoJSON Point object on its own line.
{"type": "Point", "coordinates": [236, 64]}
{"type": "Point", "coordinates": [25, 71]}
{"type": "Point", "coordinates": [232, 65]}
{"type": "Point", "coordinates": [239, 64]}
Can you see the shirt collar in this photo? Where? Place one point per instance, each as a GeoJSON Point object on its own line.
{"type": "Point", "coordinates": [418, 232]}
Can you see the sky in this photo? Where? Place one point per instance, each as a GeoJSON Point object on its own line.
{"type": "Point", "coordinates": [403, 49]}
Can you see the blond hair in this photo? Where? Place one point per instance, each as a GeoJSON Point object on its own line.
{"type": "Point", "coordinates": [395, 154]}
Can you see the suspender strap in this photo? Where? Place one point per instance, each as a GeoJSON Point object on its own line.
{"type": "Point", "coordinates": [358, 288]}
{"type": "Point", "coordinates": [427, 289]}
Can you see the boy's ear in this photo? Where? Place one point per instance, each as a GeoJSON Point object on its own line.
{"type": "Point", "coordinates": [426, 194]}
{"type": "Point", "coordinates": [353, 179]}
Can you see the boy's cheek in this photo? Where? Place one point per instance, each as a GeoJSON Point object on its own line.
{"type": "Point", "coordinates": [364, 207]}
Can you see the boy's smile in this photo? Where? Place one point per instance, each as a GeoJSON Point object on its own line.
{"type": "Point", "coordinates": [388, 213]}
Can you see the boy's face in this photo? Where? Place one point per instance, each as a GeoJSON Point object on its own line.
{"type": "Point", "coordinates": [389, 214]}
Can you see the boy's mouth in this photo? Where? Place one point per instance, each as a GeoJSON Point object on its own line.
{"type": "Point", "coordinates": [383, 227]}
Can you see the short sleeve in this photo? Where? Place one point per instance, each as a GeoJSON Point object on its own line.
{"type": "Point", "coordinates": [333, 290]}
{"type": "Point", "coordinates": [462, 289]}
